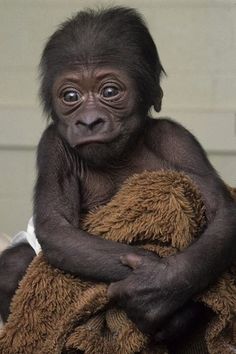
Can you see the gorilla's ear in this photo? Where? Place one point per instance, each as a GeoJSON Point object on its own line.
{"type": "Point", "coordinates": [158, 100]}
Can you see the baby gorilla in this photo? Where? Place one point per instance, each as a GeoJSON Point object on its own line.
{"type": "Point", "coordinates": [100, 75]}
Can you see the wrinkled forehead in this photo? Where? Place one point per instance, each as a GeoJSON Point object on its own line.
{"type": "Point", "coordinates": [91, 61]}
{"type": "Point", "coordinates": [80, 74]}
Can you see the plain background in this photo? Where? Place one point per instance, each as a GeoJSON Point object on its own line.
{"type": "Point", "coordinates": [196, 40]}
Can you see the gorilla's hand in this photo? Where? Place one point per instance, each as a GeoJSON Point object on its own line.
{"type": "Point", "coordinates": [153, 293]}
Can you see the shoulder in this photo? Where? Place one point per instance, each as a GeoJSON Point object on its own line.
{"type": "Point", "coordinates": [52, 149]}
{"type": "Point", "coordinates": [167, 128]}
{"type": "Point", "coordinates": [164, 131]}
{"type": "Point", "coordinates": [175, 144]}
{"type": "Point", "coordinates": [51, 140]}
{"type": "Point", "coordinates": [50, 135]}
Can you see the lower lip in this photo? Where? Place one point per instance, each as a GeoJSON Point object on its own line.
{"type": "Point", "coordinates": [97, 140]}
{"type": "Point", "coordinates": [89, 142]}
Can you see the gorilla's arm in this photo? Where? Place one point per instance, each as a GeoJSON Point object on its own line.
{"type": "Point", "coordinates": [215, 250]}
{"type": "Point", "coordinates": [56, 211]}
{"type": "Point", "coordinates": [155, 290]}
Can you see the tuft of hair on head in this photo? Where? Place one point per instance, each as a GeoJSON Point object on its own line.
{"type": "Point", "coordinates": [115, 36]}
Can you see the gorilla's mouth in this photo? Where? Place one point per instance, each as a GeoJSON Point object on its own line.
{"type": "Point", "coordinates": [96, 139]}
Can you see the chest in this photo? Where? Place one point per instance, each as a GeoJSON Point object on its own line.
{"type": "Point", "coordinates": [97, 188]}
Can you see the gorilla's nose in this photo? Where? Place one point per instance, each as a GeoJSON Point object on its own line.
{"type": "Point", "coordinates": [90, 124]}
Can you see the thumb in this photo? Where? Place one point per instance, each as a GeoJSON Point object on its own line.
{"type": "Point", "coordinates": [132, 260]}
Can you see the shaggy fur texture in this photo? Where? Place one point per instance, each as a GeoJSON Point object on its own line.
{"type": "Point", "coordinates": [56, 313]}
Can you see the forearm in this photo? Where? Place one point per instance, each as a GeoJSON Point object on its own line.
{"type": "Point", "coordinates": [56, 217]}
{"type": "Point", "coordinates": [213, 252]}
{"type": "Point", "coordinates": [77, 252]}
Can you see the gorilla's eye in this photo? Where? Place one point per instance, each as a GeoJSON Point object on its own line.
{"type": "Point", "coordinates": [110, 92]}
{"type": "Point", "coordinates": [70, 96]}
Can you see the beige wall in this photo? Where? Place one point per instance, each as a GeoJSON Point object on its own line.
{"type": "Point", "coordinates": [197, 45]}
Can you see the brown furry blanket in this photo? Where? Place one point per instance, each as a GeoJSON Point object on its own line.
{"type": "Point", "coordinates": [56, 313]}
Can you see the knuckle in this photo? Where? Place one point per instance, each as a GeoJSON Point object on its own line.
{"type": "Point", "coordinates": [149, 322]}
{"type": "Point", "coordinates": [150, 318]}
{"type": "Point", "coordinates": [129, 291]}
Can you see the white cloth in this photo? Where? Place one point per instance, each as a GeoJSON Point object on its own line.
{"type": "Point", "coordinates": [27, 236]}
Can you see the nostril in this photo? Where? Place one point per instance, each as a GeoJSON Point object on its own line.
{"type": "Point", "coordinates": [96, 123]}
{"type": "Point", "coordinates": [90, 124]}
{"type": "Point", "coordinates": [80, 123]}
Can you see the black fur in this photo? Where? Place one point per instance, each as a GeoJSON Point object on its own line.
{"type": "Point", "coordinates": [96, 141]}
